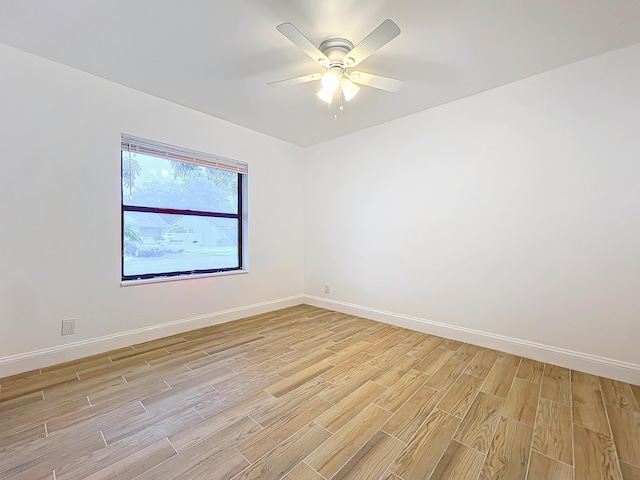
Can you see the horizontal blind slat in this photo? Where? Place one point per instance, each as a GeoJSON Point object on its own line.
{"type": "Point", "coordinates": [157, 149]}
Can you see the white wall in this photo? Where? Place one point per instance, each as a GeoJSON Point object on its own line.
{"type": "Point", "coordinates": [512, 213]}
{"type": "Point", "coordinates": [515, 212]}
{"type": "Point", "coordinates": [60, 215]}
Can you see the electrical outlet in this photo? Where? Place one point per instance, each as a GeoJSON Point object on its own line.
{"type": "Point", "coordinates": [68, 326]}
{"type": "Point", "coordinates": [327, 289]}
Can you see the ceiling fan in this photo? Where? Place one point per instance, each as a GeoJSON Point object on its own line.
{"type": "Point", "coordinates": [337, 56]}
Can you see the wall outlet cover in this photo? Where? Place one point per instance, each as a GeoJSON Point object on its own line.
{"type": "Point", "coordinates": [68, 326]}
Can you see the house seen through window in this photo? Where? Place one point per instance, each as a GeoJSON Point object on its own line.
{"type": "Point", "coordinates": [181, 211]}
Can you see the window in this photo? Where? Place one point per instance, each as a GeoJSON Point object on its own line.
{"type": "Point", "coordinates": [181, 211]}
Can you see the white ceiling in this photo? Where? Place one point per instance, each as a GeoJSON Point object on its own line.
{"type": "Point", "coordinates": [217, 56]}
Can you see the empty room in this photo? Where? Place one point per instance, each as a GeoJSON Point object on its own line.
{"type": "Point", "coordinates": [283, 239]}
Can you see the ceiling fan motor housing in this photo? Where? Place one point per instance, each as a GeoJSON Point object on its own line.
{"type": "Point", "coordinates": [336, 50]}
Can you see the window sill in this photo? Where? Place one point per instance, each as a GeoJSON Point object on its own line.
{"type": "Point", "coordinates": [127, 283]}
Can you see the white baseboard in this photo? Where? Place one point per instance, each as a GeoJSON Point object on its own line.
{"type": "Point", "coordinates": [50, 356]}
{"type": "Point", "coordinates": [605, 367]}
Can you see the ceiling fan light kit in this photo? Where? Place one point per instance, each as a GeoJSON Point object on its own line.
{"type": "Point", "coordinates": [336, 82]}
{"type": "Point", "coordinates": [336, 56]}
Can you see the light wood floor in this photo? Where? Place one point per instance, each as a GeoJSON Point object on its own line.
{"type": "Point", "coordinates": [305, 393]}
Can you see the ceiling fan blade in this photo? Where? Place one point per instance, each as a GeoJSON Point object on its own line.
{"type": "Point", "coordinates": [296, 80]}
{"type": "Point", "coordinates": [297, 38]}
{"type": "Point", "coordinates": [383, 34]}
{"type": "Point", "coordinates": [376, 81]}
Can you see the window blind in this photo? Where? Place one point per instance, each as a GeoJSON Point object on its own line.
{"type": "Point", "coordinates": [143, 146]}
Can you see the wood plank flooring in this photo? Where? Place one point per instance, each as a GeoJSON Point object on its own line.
{"type": "Point", "coordinates": [306, 393]}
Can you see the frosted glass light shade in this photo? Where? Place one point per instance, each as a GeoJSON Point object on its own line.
{"type": "Point", "coordinates": [349, 89]}
{"type": "Point", "coordinates": [330, 82]}
{"type": "Point", "coordinates": [324, 95]}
